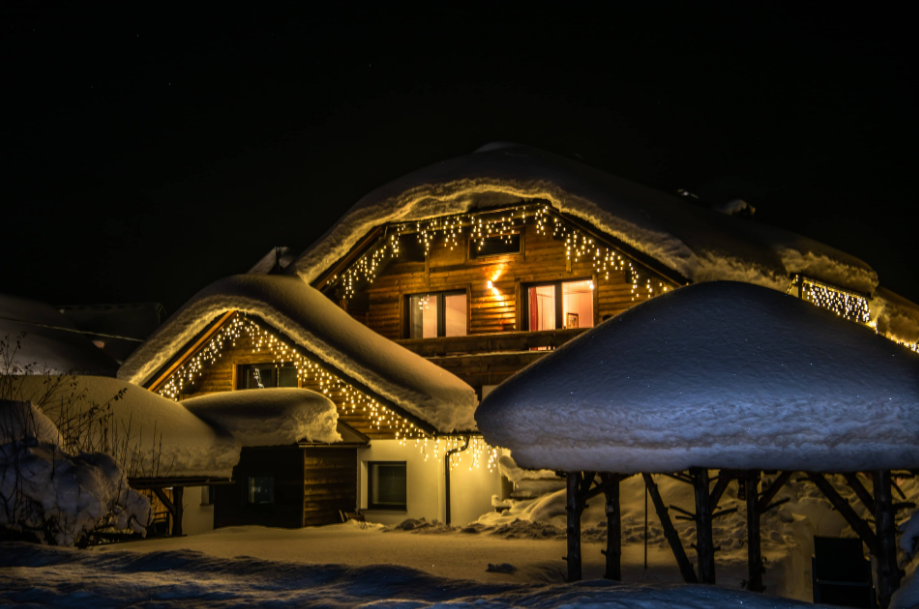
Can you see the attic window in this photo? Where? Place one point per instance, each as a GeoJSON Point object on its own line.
{"type": "Point", "coordinates": [264, 376]}
{"type": "Point", "coordinates": [497, 245]}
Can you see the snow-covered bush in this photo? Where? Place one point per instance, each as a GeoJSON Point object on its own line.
{"type": "Point", "coordinates": [55, 483]}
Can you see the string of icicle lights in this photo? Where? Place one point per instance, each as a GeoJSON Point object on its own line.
{"type": "Point", "coordinates": [349, 399]}
{"type": "Point", "coordinates": [844, 304]}
{"type": "Point", "coordinates": [479, 454]}
{"type": "Point", "coordinates": [447, 232]}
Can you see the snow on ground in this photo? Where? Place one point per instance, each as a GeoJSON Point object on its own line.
{"type": "Point", "coordinates": [35, 576]}
{"type": "Point", "coordinates": [148, 434]}
{"type": "Point", "coordinates": [320, 326]}
{"type": "Point", "coordinates": [718, 374]}
{"type": "Point", "coordinates": [270, 417]}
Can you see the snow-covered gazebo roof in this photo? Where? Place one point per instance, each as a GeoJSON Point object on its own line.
{"type": "Point", "coordinates": [714, 375]}
{"type": "Point", "coordinates": [319, 326]}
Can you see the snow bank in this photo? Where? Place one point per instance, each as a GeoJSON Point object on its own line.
{"type": "Point", "coordinates": [270, 417]}
{"type": "Point", "coordinates": [19, 420]}
{"type": "Point", "coordinates": [151, 436]}
{"type": "Point", "coordinates": [60, 496]}
{"type": "Point", "coordinates": [701, 244]}
{"type": "Point", "coordinates": [324, 329]}
{"type": "Point", "coordinates": [50, 344]}
{"type": "Point", "coordinates": [182, 578]}
{"type": "Point", "coordinates": [714, 375]}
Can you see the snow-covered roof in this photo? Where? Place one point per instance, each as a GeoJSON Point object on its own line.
{"type": "Point", "coordinates": [718, 374]}
{"type": "Point", "coordinates": [701, 244]}
{"type": "Point", "coordinates": [164, 439]}
{"type": "Point", "coordinates": [50, 343]}
{"type": "Point", "coordinates": [321, 327]}
{"type": "Point", "coordinates": [270, 417]}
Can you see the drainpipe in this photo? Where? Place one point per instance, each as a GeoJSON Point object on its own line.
{"type": "Point", "coordinates": [447, 456]}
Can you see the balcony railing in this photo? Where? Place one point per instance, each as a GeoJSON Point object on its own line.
{"type": "Point", "coordinates": [490, 343]}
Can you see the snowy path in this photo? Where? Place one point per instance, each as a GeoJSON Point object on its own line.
{"type": "Point", "coordinates": [38, 576]}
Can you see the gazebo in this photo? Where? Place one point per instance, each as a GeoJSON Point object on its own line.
{"type": "Point", "coordinates": [718, 376]}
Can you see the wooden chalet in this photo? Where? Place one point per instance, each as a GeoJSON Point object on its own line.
{"type": "Point", "coordinates": [476, 267]}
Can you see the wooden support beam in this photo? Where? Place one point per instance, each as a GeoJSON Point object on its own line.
{"type": "Point", "coordinates": [860, 491]}
{"type": "Point", "coordinates": [858, 525]}
{"type": "Point", "coordinates": [574, 507]}
{"type": "Point", "coordinates": [725, 477]}
{"type": "Point", "coordinates": [886, 550]}
{"type": "Point", "coordinates": [774, 488]}
{"type": "Point", "coordinates": [613, 552]}
{"type": "Point", "coordinates": [673, 538]}
{"type": "Point", "coordinates": [754, 547]}
{"type": "Point", "coordinates": [178, 495]}
{"type": "Point", "coordinates": [705, 543]}
{"type": "Point", "coordinates": [164, 499]}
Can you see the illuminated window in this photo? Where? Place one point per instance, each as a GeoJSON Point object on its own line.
{"type": "Point", "coordinates": [263, 376]}
{"type": "Point", "coordinates": [437, 314]}
{"type": "Point", "coordinates": [386, 485]}
{"type": "Point", "coordinates": [561, 304]}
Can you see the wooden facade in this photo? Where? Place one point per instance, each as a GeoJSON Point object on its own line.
{"type": "Point", "coordinates": [497, 344]}
{"type": "Point", "coordinates": [311, 485]}
{"type": "Point", "coordinates": [221, 376]}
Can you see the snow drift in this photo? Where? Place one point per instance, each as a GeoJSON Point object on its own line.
{"type": "Point", "coordinates": [151, 435]}
{"type": "Point", "coordinates": [701, 244]}
{"type": "Point", "coordinates": [714, 375]}
{"type": "Point", "coordinates": [57, 495]}
{"type": "Point", "coordinates": [324, 329]}
{"type": "Point", "coordinates": [270, 417]}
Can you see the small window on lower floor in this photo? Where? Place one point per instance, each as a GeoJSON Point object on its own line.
{"type": "Point", "coordinates": [386, 485]}
{"type": "Point", "coordinates": [207, 495]}
{"type": "Point", "coordinates": [260, 490]}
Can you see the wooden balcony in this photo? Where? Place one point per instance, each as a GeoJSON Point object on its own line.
{"type": "Point", "coordinates": [490, 343]}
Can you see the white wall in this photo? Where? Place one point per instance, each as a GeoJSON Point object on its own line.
{"type": "Point", "coordinates": [471, 491]}
{"type": "Point", "coordinates": [197, 518]}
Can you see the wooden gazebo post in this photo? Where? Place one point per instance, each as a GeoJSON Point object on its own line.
{"type": "Point", "coordinates": [705, 543]}
{"type": "Point", "coordinates": [754, 547]}
{"type": "Point", "coordinates": [886, 538]}
{"type": "Point", "coordinates": [613, 550]}
{"type": "Point", "coordinates": [574, 506]}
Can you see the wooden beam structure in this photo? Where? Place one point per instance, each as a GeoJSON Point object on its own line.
{"type": "Point", "coordinates": [885, 551]}
{"type": "Point", "coordinates": [858, 525]}
{"type": "Point", "coordinates": [754, 546]}
{"type": "Point", "coordinates": [574, 506]}
{"type": "Point", "coordinates": [613, 552]}
{"type": "Point", "coordinates": [673, 538]}
{"type": "Point", "coordinates": [705, 543]}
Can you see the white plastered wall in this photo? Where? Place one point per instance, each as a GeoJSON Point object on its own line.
{"type": "Point", "coordinates": [471, 491]}
{"type": "Point", "coordinates": [197, 517]}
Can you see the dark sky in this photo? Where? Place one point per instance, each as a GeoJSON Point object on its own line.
{"type": "Point", "coordinates": [149, 150]}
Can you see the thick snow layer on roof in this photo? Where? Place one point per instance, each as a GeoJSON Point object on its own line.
{"type": "Point", "coordinates": [19, 420]}
{"type": "Point", "coordinates": [153, 436]}
{"type": "Point", "coordinates": [701, 244]}
{"type": "Point", "coordinates": [715, 375]}
{"type": "Point", "coordinates": [48, 343]}
{"type": "Point", "coordinates": [270, 417]}
{"type": "Point", "coordinates": [895, 317]}
{"type": "Point", "coordinates": [325, 330]}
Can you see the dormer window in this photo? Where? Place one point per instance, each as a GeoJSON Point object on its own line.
{"type": "Point", "coordinates": [437, 314]}
{"type": "Point", "coordinates": [496, 245]}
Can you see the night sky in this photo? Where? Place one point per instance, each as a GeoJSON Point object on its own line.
{"type": "Point", "coordinates": [149, 151]}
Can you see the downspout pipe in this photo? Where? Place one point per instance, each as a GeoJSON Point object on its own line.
{"type": "Point", "coordinates": [447, 456]}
